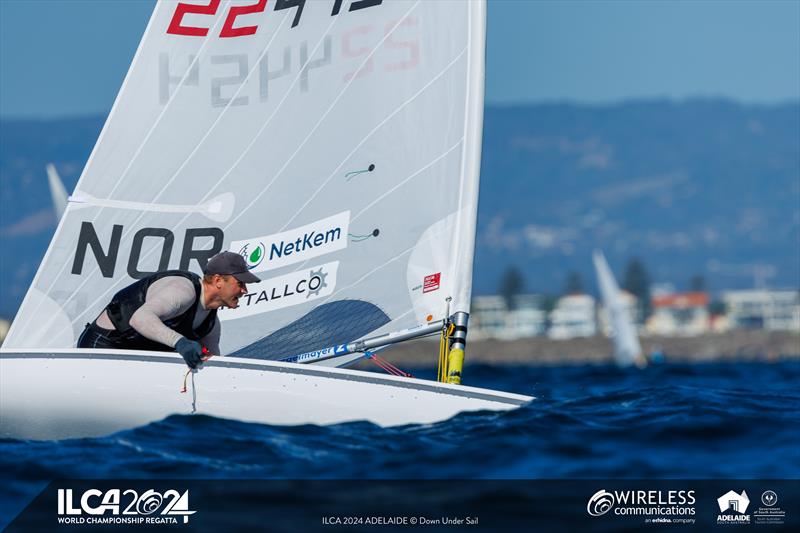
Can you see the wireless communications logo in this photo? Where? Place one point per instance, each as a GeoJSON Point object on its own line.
{"type": "Point", "coordinates": [600, 503]}
{"type": "Point", "coordinates": [654, 506]}
{"type": "Point", "coordinates": [116, 506]}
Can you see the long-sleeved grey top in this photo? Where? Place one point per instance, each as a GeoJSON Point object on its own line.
{"type": "Point", "coordinates": [165, 299]}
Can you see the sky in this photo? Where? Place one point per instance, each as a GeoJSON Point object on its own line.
{"type": "Point", "coordinates": [68, 57]}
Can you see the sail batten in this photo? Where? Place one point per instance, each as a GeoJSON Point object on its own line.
{"type": "Point", "coordinates": [338, 153]}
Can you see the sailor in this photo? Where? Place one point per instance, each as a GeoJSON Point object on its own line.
{"type": "Point", "coordinates": [172, 310]}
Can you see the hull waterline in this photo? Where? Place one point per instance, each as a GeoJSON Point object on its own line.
{"type": "Point", "coordinates": [87, 393]}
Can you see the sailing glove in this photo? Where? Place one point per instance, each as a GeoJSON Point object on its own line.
{"type": "Point", "coordinates": [191, 351]}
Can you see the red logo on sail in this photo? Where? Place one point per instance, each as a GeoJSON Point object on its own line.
{"type": "Point", "coordinates": [431, 283]}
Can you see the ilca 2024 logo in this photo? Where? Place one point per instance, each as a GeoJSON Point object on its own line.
{"type": "Point", "coordinates": [116, 506]}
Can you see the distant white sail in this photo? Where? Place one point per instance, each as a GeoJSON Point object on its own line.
{"type": "Point", "coordinates": [335, 144]}
{"type": "Point", "coordinates": [58, 193]}
{"type": "Point", "coordinates": [627, 350]}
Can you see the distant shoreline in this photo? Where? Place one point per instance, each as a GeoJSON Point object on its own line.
{"type": "Point", "coordinates": [733, 346]}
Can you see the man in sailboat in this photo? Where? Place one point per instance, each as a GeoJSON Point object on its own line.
{"type": "Point", "coordinates": [172, 310]}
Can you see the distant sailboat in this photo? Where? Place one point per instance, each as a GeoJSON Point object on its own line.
{"type": "Point", "coordinates": [627, 350]}
{"type": "Point", "coordinates": [58, 193]}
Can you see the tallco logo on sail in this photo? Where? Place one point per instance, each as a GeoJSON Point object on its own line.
{"type": "Point", "coordinates": [288, 290]}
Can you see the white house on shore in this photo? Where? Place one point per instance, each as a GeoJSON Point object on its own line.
{"type": "Point", "coordinates": [573, 316]}
{"type": "Point", "coordinates": [673, 314]}
{"type": "Point", "coordinates": [487, 317]}
{"type": "Point", "coordinates": [490, 317]}
{"type": "Point", "coordinates": [528, 318]}
{"type": "Point", "coordinates": [683, 314]}
{"type": "Point", "coordinates": [775, 310]}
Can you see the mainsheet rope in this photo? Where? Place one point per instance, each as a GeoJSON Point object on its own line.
{"type": "Point", "coordinates": [444, 351]}
{"type": "Point", "coordinates": [208, 355]}
{"type": "Point", "coordinates": [386, 365]}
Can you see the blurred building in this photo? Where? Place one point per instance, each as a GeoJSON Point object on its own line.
{"type": "Point", "coordinates": [528, 318]}
{"type": "Point", "coordinates": [719, 323]}
{"type": "Point", "coordinates": [4, 326]}
{"type": "Point", "coordinates": [573, 316]}
{"type": "Point", "coordinates": [490, 317]}
{"type": "Point", "coordinates": [630, 304]}
{"type": "Point", "coordinates": [776, 310]}
{"type": "Point", "coordinates": [680, 314]}
{"type": "Point", "coordinates": [487, 317]}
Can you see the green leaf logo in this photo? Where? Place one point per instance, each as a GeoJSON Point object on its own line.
{"type": "Point", "coordinates": [255, 257]}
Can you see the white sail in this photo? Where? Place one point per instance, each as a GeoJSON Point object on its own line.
{"type": "Point", "coordinates": [58, 193]}
{"type": "Point", "coordinates": [335, 144]}
{"type": "Point", "coordinates": [627, 350]}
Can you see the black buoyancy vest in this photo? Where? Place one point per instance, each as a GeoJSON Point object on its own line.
{"type": "Point", "coordinates": [127, 301]}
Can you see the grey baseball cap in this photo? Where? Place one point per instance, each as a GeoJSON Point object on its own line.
{"type": "Point", "coordinates": [230, 264]}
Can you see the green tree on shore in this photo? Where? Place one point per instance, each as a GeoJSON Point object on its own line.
{"type": "Point", "coordinates": [717, 308]}
{"type": "Point", "coordinates": [697, 283]}
{"type": "Point", "coordinates": [511, 284]}
{"type": "Point", "coordinates": [573, 284]}
{"type": "Point", "coordinates": [637, 282]}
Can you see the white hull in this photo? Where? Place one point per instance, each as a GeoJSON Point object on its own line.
{"type": "Point", "coordinates": [83, 393]}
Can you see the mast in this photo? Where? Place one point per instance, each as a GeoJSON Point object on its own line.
{"type": "Point", "coordinates": [471, 164]}
{"type": "Point", "coordinates": [458, 344]}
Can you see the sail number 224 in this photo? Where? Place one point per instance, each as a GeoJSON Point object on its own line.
{"type": "Point", "coordinates": [177, 26]}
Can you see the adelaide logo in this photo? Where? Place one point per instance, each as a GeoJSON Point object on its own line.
{"type": "Point", "coordinates": [732, 508]}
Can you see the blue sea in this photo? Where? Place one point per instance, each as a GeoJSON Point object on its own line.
{"type": "Point", "coordinates": [669, 421]}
